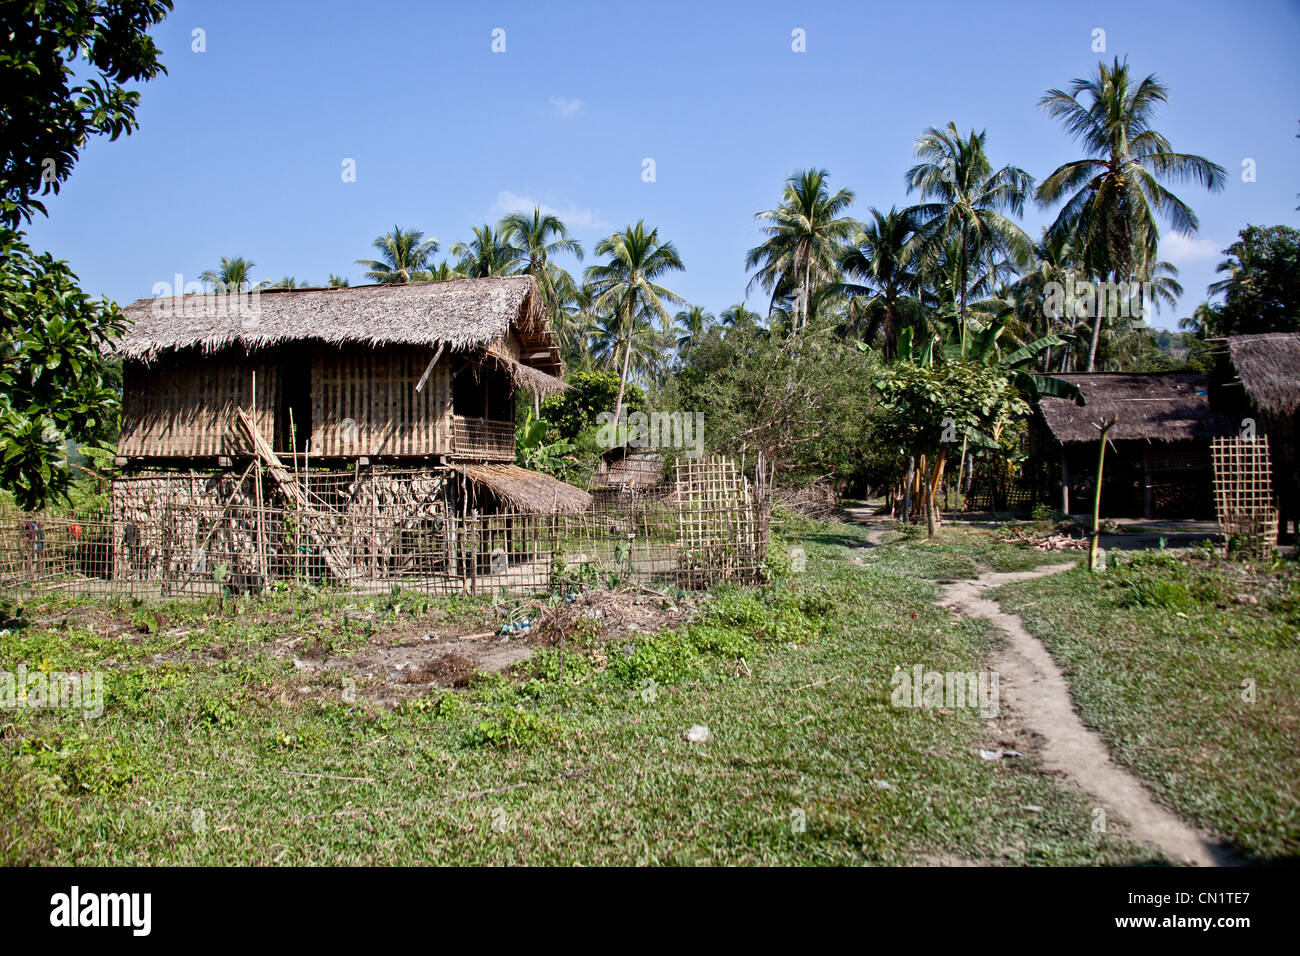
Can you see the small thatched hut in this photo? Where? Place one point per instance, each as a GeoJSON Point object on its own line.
{"type": "Point", "coordinates": [624, 468]}
{"type": "Point", "coordinates": [1159, 463]}
{"type": "Point", "coordinates": [1256, 382]}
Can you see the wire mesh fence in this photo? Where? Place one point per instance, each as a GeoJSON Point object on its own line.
{"type": "Point", "coordinates": [708, 524]}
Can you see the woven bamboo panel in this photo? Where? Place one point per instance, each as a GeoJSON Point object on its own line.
{"type": "Point", "coordinates": [364, 402]}
{"type": "Point", "coordinates": [1243, 494]}
{"type": "Point", "coordinates": [185, 407]}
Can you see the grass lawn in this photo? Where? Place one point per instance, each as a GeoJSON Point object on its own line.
{"type": "Point", "coordinates": [209, 751]}
{"type": "Point", "coordinates": [1190, 668]}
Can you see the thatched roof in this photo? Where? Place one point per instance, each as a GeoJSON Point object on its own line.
{"type": "Point", "coordinates": [1268, 366]}
{"type": "Point", "coordinates": [1153, 406]}
{"type": "Point", "coordinates": [459, 314]}
{"type": "Point", "coordinates": [621, 467]}
{"type": "Point", "coordinates": [525, 490]}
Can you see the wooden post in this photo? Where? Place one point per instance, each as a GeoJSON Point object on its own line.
{"type": "Point", "coordinates": [1148, 493]}
{"type": "Point", "coordinates": [1065, 483]}
{"type": "Point", "coordinates": [907, 489]}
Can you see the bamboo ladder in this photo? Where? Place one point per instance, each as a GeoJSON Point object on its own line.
{"type": "Point", "coordinates": [336, 559]}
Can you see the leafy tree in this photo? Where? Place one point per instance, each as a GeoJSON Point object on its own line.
{"type": "Point", "coordinates": [574, 411]}
{"type": "Point", "coordinates": [46, 113]}
{"type": "Point", "coordinates": [55, 387]}
{"type": "Point", "coordinates": [1115, 192]}
{"type": "Point", "coordinates": [925, 408]}
{"type": "Point", "coordinates": [804, 401]}
{"type": "Point", "coordinates": [1262, 290]}
{"type": "Point", "coordinates": [404, 257]}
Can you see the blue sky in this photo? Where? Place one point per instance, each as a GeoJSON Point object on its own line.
{"type": "Point", "coordinates": [241, 147]}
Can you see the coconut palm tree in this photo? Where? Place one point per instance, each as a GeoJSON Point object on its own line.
{"type": "Point", "coordinates": [612, 342]}
{"type": "Point", "coordinates": [487, 254]}
{"type": "Point", "coordinates": [1040, 293]}
{"type": "Point", "coordinates": [879, 266]}
{"type": "Point", "coordinates": [967, 202]}
{"type": "Point", "coordinates": [233, 275]}
{"type": "Point", "coordinates": [289, 282]}
{"type": "Point", "coordinates": [1115, 192]}
{"type": "Point", "coordinates": [404, 257]}
{"type": "Point", "coordinates": [626, 284]}
{"type": "Point", "coordinates": [803, 239]}
{"type": "Point", "coordinates": [336, 282]}
{"type": "Point", "coordinates": [691, 323]}
{"type": "Point", "coordinates": [538, 237]}
{"type": "Point", "coordinates": [1202, 323]}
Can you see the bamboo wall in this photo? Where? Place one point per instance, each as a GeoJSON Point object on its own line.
{"type": "Point", "coordinates": [364, 402]}
{"type": "Point", "coordinates": [184, 407]}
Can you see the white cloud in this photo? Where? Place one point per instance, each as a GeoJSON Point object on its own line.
{"type": "Point", "coordinates": [563, 107]}
{"type": "Point", "coordinates": [1177, 248]}
{"type": "Point", "coordinates": [575, 217]}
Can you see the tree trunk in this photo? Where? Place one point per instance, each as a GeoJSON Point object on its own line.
{"type": "Point", "coordinates": [907, 489]}
{"type": "Point", "coordinates": [932, 489]}
{"type": "Point", "coordinates": [1092, 345]}
{"type": "Point", "coordinates": [961, 471]}
{"type": "Point", "coordinates": [622, 379]}
{"type": "Point", "coordinates": [807, 292]}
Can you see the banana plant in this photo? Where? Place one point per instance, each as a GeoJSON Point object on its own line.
{"type": "Point", "coordinates": [535, 453]}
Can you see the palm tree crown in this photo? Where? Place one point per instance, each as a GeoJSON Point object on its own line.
{"type": "Point", "coordinates": [803, 238]}
{"type": "Point", "coordinates": [539, 236]}
{"type": "Point", "coordinates": [233, 275]}
{"type": "Point", "coordinates": [1115, 192]}
{"type": "Point", "coordinates": [404, 257]}
{"type": "Point", "coordinates": [636, 257]}
{"type": "Point", "coordinates": [967, 202]}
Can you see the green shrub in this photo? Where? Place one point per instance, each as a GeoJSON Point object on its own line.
{"type": "Point", "coordinates": [513, 727]}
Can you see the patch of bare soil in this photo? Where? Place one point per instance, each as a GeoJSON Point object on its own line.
{"type": "Point", "coordinates": [595, 614]}
{"type": "Point", "coordinates": [411, 660]}
{"type": "Point", "coordinates": [1036, 698]}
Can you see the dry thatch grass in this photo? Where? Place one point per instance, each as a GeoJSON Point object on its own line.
{"type": "Point", "coordinates": [459, 314]}
{"type": "Point", "coordinates": [1269, 368]}
{"type": "Point", "coordinates": [529, 491]}
{"type": "Point", "coordinates": [1153, 406]}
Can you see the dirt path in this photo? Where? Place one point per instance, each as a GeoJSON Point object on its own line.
{"type": "Point", "coordinates": [876, 525]}
{"type": "Point", "coordinates": [1033, 687]}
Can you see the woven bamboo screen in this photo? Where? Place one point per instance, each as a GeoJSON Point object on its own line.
{"type": "Point", "coordinates": [1243, 494]}
{"type": "Point", "coordinates": [185, 407]}
{"type": "Point", "coordinates": [364, 402]}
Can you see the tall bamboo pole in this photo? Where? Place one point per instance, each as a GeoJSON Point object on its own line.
{"type": "Point", "coordinates": [1105, 428]}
